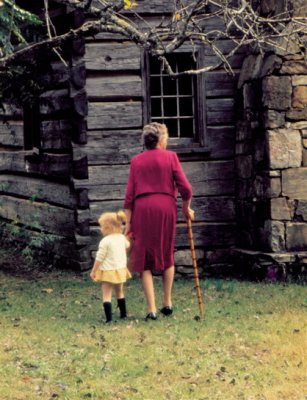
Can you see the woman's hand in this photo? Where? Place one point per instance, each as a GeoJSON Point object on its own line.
{"type": "Point", "coordinates": [127, 228]}
{"type": "Point", "coordinates": [188, 213]}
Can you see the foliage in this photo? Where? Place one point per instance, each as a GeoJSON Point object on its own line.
{"type": "Point", "coordinates": [19, 84]}
{"type": "Point", "coordinates": [249, 346]}
{"type": "Point", "coordinates": [34, 249]}
{"type": "Point", "coordinates": [13, 21]}
{"type": "Point", "coordinates": [241, 23]}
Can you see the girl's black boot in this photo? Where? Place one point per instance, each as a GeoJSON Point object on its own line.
{"type": "Point", "coordinates": [122, 307]}
{"type": "Point", "coordinates": [107, 305]}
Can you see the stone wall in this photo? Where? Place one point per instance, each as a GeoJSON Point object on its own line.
{"type": "Point", "coordinates": [271, 157]}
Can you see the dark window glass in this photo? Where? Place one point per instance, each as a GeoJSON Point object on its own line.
{"type": "Point", "coordinates": [185, 85]}
{"type": "Point", "coordinates": [156, 110]}
{"type": "Point", "coordinates": [170, 107]}
{"type": "Point", "coordinates": [173, 100]}
{"type": "Point", "coordinates": [169, 86]}
{"type": "Point", "coordinates": [155, 87]}
{"type": "Point", "coordinates": [186, 107]}
{"type": "Point", "coordinates": [172, 125]}
{"type": "Point", "coordinates": [186, 127]}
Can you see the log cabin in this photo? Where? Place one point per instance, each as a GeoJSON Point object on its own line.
{"type": "Point", "coordinates": [241, 138]}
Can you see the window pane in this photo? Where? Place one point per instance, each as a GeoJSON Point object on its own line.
{"type": "Point", "coordinates": [170, 107]}
{"type": "Point", "coordinates": [186, 62]}
{"type": "Point", "coordinates": [155, 88]}
{"type": "Point", "coordinates": [172, 127]}
{"type": "Point", "coordinates": [186, 106]}
{"type": "Point", "coordinates": [155, 65]}
{"type": "Point", "coordinates": [156, 107]}
{"type": "Point", "coordinates": [185, 85]}
{"type": "Point", "coordinates": [169, 86]}
{"type": "Point", "coordinates": [171, 58]}
{"type": "Point", "coordinates": [186, 127]}
{"type": "Point", "coordinates": [173, 100]}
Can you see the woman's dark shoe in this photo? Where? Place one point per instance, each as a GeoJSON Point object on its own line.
{"type": "Point", "coordinates": [167, 311]}
{"type": "Point", "coordinates": [151, 315]}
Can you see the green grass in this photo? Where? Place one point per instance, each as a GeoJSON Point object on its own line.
{"type": "Point", "coordinates": [249, 346]}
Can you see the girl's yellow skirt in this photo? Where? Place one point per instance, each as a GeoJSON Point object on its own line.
{"type": "Point", "coordinates": [114, 276]}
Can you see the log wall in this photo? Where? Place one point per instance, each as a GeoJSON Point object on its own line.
{"type": "Point", "coordinates": [114, 125]}
{"type": "Point", "coordinates": [91, 118]}
{"type": "Point", "coordinates": [36, 183]}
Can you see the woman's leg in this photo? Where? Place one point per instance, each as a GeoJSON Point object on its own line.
{"type": "Point", "coordinates": [149, 290]}
{"type": "Point", "coordinates": [168, 279]}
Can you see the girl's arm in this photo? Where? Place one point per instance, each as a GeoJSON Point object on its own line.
{"type": "Point", "coordinates": [96, 266]}
{"type": "Point", "coordinates": [100, 256]}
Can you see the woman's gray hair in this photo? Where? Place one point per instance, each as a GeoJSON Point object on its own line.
{"type": "Point", "coordinates": [152, 133]}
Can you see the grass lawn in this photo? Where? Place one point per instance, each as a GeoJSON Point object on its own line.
{"type": "Point", "coordinates": [54, 345]}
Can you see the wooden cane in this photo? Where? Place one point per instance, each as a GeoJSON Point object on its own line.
{"type": "Point", "coordinates": [195, 269]}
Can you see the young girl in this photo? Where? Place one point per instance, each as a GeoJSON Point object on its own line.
{"type": "Point", "coordinates": [110, 267]}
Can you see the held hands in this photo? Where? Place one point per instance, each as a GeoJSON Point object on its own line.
{"type": "Point", "coordinates": [127, 228]}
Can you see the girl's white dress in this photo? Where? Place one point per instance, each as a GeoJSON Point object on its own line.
{"type": "Point", "coordinates": [112, 253]}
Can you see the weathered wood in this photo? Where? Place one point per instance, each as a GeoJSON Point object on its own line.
{"type": "Point", "coordinates": [206, 208]}
{"type": "Point", "coordinates": [82, 198]}
{"type": "Point", "coordinates": [56, 134]}
{"type": "Point", "coordinates": [207, 235]}
{"type": "Point", "coordinates": [106, 192]}
{"type": "Point", "coordinates": [78, 47]}
{"type": "Point", "coordinates": [114, 86]}
{"type": "Point", "coordinates": [112, 56]}
{"type": "Point", "coordinates": [220, 84]}
{"type": "Point", "coordinates": [54, 101]}
{"type": "Point", "coordinates": [10, 111]}
{"type": "Point", "coordinates": [78, 74]}
{"type": "Point", "coordinates": [152, 21]}
{"type": "Point", "coordinates": [38, 215]}
{"type": "Point", "coordinates": [221, 141]}
{"type": "Point", "coordinates": [197, 172]}
{"type": "Point", "coordinates": [11, 133]}
{"type": "Point", "coordinates": [37, 189]}
{"type": "Point", "coordinates": [13, 161]}
{"type": "Point", "coordinates": [114, 115]}
{"type": "Point", "coordinates": [220, 111]}
{"type": "Point", "coordinates": [53, 165]}
{"type": "Point", "coordinates": [57, 76]}
{"type": "Point", "coordinates": [79, 102]}
{"type": "Point", "coordinates": [209, 188]}
{"type": "Point", "coordinates": [207, 178]}
{"type": "Point", "coordinates": [80, 168]}
{"type": "Point", "coordinates": [107, 175]}
{"type": "Point", "coordinates": [115, 147]}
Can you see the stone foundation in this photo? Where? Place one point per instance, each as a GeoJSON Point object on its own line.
{"type": "Point", "coordinates": [272, 267]}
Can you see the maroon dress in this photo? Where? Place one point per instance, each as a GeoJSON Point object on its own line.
{"type": "Point", "coordinates": [155, 178]}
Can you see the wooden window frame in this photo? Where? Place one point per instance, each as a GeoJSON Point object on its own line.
{"type": "Point", "coordinates": [181, 145]}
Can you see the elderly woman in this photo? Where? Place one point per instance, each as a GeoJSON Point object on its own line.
{"type": "Point", "coordinates": [155, 178]}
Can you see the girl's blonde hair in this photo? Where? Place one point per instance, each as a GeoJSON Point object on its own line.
{"type": "Point", "coordinates": [112, 222]}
